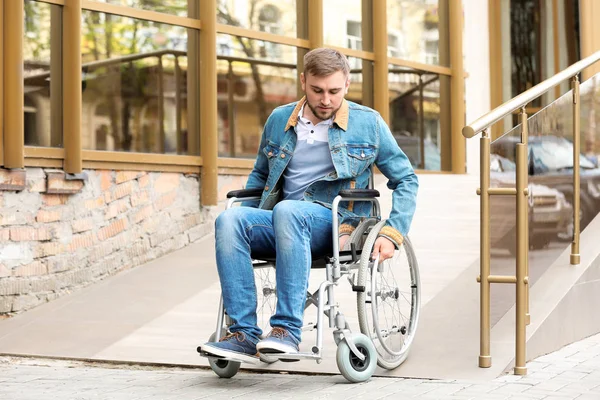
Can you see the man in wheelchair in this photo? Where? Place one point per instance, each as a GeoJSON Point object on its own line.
{"type": "Point", "coordinates": [310, 151]}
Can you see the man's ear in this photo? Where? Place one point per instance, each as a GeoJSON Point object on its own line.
{"type": "Point", "coordinates": [347, 85]}
{"type": "Point", "coordinates": [303, 81]}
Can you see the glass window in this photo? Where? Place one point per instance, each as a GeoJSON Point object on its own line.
{"type": "Point", "coordinates": [535, 36]}
{"type": "Point", "coordinates": [40, 119]}
{"type": "Point", "coordinates": [414, 30]}
{"type": "Point", "coordinates": [278, 17]}
{"type": "Point", "coordinates": [135, 86]}
{"type": "Point", "coordinates": [173, 7]}
{"type": "Point", "coordinates": [355, 92]}
{"type": "Point", "coordinates": [253, 78]}
{"type": "Point", "coordinates": [416, 118]}
{"type": "Point", "coordinates": [342, 23]}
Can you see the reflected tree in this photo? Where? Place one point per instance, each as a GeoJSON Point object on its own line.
{"type": "Point", "coordinates": [106, 36]}
{"type": "Point", "coordinates": [249, 47]}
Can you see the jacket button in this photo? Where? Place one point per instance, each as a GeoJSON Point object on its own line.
{"type": "Point", "coordinates": [270, 154]}
{"type": "Point", "coordinates": [266, 188]}
{"type": "Point", "coordinates": [282, 155]}
{"type": "Point", "coordinates": [363, 155]}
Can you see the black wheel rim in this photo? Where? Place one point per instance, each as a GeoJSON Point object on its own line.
{"type": "Point", "coordinates": [358, 364]}
{"type": "Point", "coordinates": [221, 363]}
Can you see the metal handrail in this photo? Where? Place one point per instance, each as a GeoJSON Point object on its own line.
{"type": "Point", "coordinates": [521, 278]}
{"type": "Point", "coordinates": [527, 96]}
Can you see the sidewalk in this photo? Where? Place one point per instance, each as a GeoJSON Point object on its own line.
{"type": "Point", "coordinates": [570, 373]}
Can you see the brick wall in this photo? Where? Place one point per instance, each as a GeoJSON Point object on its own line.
{"type": "Point", "coordinates": [57, 234]}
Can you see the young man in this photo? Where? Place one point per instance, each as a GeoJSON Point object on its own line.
{"type": "Point", "coordinates": [309, 151]}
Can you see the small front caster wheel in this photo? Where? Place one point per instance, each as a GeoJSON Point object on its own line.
{"type": "Point", "coordinates": [353, 368]}
{"type": "Point", "coordinates": [223, 368]}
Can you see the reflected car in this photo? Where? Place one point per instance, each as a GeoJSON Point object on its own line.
{"type": "Point", "coordinates": [550, 213]}
{"type": "Point", "coordinates": [411, 146]}
{"type": "Point", "coordinates": [551, 165]}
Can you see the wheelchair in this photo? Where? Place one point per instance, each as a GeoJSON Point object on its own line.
{"type": "Point", "coordinates": [387, 298]}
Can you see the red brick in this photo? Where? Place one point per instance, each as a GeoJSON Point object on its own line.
{"type": "Point", "coordinates": [124, 176]}
{"type": "Point", "coordinates": [105, 179]}
{"type": "Point", "coordinates": [80, 241]}
{"type": "Point", "coordinates": [144, 181]}
{"type": "Point", "coordinates": [113, 229]}
{"type": "Point", "coordinates": [26, 233]}
{"type": "Point", "coordinates": [57, 184]}
{"type": "Point", "coordinates": [35, 268]}
{"type": "Point", "coordinates": [191, 221]}
{"type": "Point", "coordinates": [50, 249]}
{"type": "Point", "coordinates": [55, 199]}
{"type": "Point", "coordinates": [143, 214]}
{"type": "Point", "coordinates": [93, 204]}
{"type": "Point", "coordinates": [166, 182]}
{"type": "Point", "coordinates": [116, 208]}
{"type": "Point", "coordinates": [13, 217]}
{"type": "Point", "coordinates": [165, 201]}
{"type": "Point", "coordinates": [12, 179]}
{"type": "Point", "coordinates": [139, 198]}
{"type": "Point", "coordinates": [37, 184]}
{"type": "Point", "coordinates": [58, 264]}
{"type": "Point", "coordinates": [48, 216]}
{"type": "Point", "coordinates": [151, 224]}
{"type": "Point", "coordinates": [82, 225]}
{"type": "Point", "coordinates": [122, 190]}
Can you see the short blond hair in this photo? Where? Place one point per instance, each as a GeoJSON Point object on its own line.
{"type": "Point", "coordinates": [324, 62]}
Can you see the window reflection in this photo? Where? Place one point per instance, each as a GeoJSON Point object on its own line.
{"type": "Point", "coordinates": [536, 34]}
{"type": "Point", "coordinates": [342, 24]}
{"type": "Point", "coordinates": [355, 92]}
{"type": "Point", "coordinates": [173, 7]}
{"type": "Point", "coordinates": [415, 117]}
{"type": "Point", "coordinates": [252, 80]}
{"type": "Point", "coordinates": [272, 17]}
{"type": "Point", "coordinates": [414, 30]}
{"type": "Point", "coordinates": [40, 128]}
{"type": "Point", "coordinates": [134, 85]}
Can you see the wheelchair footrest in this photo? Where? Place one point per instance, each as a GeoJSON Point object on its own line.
{"type": "Point", "coordinates": [294, 356]}
{"type": "Point", "coordinates": [230, 358]}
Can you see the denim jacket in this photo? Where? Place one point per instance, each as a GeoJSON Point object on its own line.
{"type": "Point", "coordinates": [358, 139]}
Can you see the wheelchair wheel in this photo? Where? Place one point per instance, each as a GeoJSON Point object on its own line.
{"type": "Point", "coordinates": [388, 308]}
{"type": "Point", "coordinates": [358, 236]}
{"type": "Point", "coordinates": [266, 300]}
{"type": "Point", "coordinates": [223, 368]}
{"type": "Point", "coordinates": [266, 295]}
{"type": "Point", "coordinates": [353, 368]}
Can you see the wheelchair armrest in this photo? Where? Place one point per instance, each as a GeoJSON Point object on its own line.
{"type": "Point", "coordinates": [359, 193]}
{"type": "Point", "coordinates": [241, 193]}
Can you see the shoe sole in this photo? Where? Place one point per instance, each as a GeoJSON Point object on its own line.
{"type": "Point", "coordinates": [272, 350]}
{"type": "Point", "coordinates": [215, 352]}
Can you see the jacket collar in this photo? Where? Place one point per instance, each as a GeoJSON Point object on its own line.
{"type": "Point", "coordinates": [341, 117]}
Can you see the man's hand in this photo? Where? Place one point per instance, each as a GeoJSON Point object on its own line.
{"type": "Point", "coordinates": [383, 247]}
{"type": "Point", "coordinates": [343, 240]}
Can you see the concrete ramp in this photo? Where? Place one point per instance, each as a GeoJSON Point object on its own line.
{"type": "Point", "coordinates": [564, 303]}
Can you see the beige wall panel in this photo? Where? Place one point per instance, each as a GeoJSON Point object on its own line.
{"type": "Point", "coordinates": [590, 33]}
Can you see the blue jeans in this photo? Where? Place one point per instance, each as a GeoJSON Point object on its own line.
{"type": "Point", "coordinates": [293, 232]}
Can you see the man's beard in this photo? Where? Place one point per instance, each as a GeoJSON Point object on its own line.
{"type": "Point", "coordinates": [319, 113]}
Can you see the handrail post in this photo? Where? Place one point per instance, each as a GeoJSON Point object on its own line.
{"type": "Point", "coordinates": [575, 257]}
{"type": "Point", "coordinates": [522, 248]}
{"type": "Point", "coordinates": [485, 359]}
